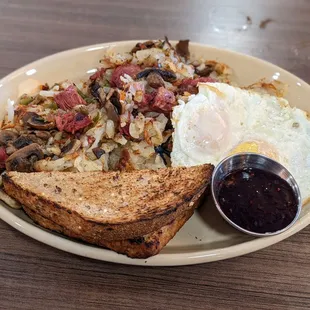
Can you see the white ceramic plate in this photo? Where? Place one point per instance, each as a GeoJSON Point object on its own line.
{"type": "Point", "coordinates": [206, 236]}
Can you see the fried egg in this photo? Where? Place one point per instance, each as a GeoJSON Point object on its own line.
{"type": "Point", "coordinates": [222, 120]}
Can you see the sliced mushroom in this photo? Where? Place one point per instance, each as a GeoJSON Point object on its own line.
{"type": "Point", "coordinates": [206, 71]}
{"type": "Point", "coordinates": [23, 160]}
{"type": "Point", "coordinates": [27, 139]}
{"type": "Point", "coordinates": [10, 150]}
{"type": "Point", "coordinates": [37, 122]}
{"type": "Point", "coordinates": [71, 147]}
{"type": "Point", "coordinates": [98, 92]}
{"type": "Point", "coordinates": [155, 80]}
{"type": "Point", "coordinates": [168, 76]}
{"type": "Point", "coordinates": [94, 90]}
{"type": "Point", "coordinates": [44, 135]}
{"type": "Point", "coordinates": [22, 141]}
{"type": "Point", "coordinates": [102, 95]}
{"type": "Point", "coordinates": [164, 150]}
{"type": "Point", "coordinates": [7, 136]}
{"type": "Point", "coordinates": [112, 111]}
{"type": "Point", "coordinates": [135, 113]}
{"type": "Point", "coordinates": [98, 152]}
{"type": "Point", "coordinates": [116, 102]}
{"type": "Point", "coordinates": [182, 48]}
{"type": "Point", "coordinates": [27, 116]}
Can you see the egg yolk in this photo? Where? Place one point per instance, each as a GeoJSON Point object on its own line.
{"type": "Point", "coordinates": [259, 147]}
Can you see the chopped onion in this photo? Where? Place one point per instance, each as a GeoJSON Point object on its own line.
{"type": "Point", "coordinates": [110, 129]}
{"type": "Point", "coordinates": [98, 136]}
{"type": "Point", "coordinates": [53, 165]}
{"type": "Point", "coordinates": [126, 79]}
{"type": "Point", "coordinates": [48, 93]}
{"type": "Point", "coordinates": [120, 139]}
{"type": "Point", "coordinates": [82, 164]}
{"type": "Point", "coordinates": [10, 110]}
{"type": "Point", "coordinates": [156, 53]}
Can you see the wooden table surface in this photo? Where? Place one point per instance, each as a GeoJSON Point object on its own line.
{"type": "Point", "coordinates": [36, 276]}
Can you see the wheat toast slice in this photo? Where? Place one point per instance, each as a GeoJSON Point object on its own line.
{"type": "Point", "coordinates": [139, 247]}
{"type": "Point", "coordinates": [110, 205]}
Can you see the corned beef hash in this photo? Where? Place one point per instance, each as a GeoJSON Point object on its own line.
{"type": "Point", "coordinates": [118, 119]}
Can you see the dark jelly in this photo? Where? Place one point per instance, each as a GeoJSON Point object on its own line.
{"type": "Point", "coordinates": [257, 200]}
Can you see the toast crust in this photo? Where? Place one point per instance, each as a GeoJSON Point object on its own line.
{"type": "Point", "coordinates": [139, 247]}
{"type": "Point", "coordinates": [186, 185]}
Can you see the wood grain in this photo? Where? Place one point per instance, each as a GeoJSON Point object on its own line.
{"type": "Point", "coordinates": [35, 276]}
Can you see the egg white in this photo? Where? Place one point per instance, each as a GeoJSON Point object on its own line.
{"type": "Point", "coordinates": [222, 120]}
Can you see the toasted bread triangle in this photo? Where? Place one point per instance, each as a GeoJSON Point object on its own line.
{"type": "Point", "coordinates": [111, 205]}
{"type": "Point", "coordinates": [139, 247]}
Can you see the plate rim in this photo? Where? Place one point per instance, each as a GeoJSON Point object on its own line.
{"type": "Point", "coordinates": [162, 259]}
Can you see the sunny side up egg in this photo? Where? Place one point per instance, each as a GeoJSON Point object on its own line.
{"type": "Point", "coordinates": [223, 120]}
